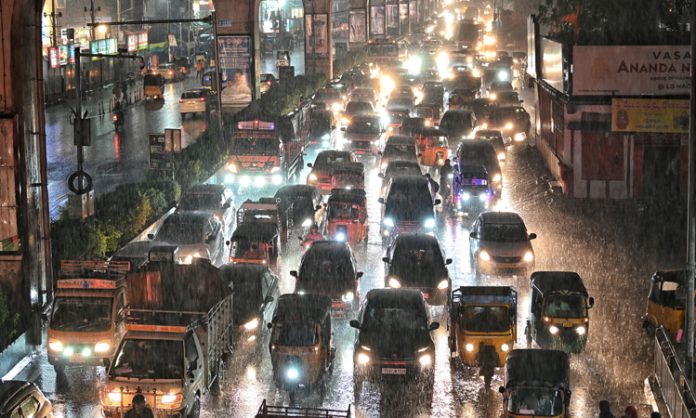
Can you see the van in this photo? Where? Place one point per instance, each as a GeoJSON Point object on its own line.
{"type": "Point", "coordinates": [408, 207]}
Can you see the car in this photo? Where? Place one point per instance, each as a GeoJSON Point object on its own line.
{"type": "Point", "coordinates": [364, 94]}
{"type": "Point", "coordinates": [495, 137]}
{"type": "Point", "coordinates": [354, 109]}
{"type": "Point", "coordinates": [364, 134]}
{"type": "Point", "coordinates": [402, 91]}
{"type": "Point", "coordinates": [398, 168]}
{"type": "Point", "coordinates": [329, 268]}
{"type": "Point", "coordinates": [417, 261]}
{"type": "Point", "coordinates": [196, 234]}
{"type": "Point", "coordinates": [514, 121]}
{"type": "Point", "coordinates": [400, 103]}
{"type": "Point", "coordinates": [500, 244]}
{"type": "Point", "coordinates": [195, 101]}
{"type": "Point", "coordinates": [332, 98]}
{"type": "Point", "coordinates": [23, 399]}
{"type": "Point", "coordinates": [398, 147]}
{"type": "Point", "coordinates": [480, 152]}
{"type": "Point", "coordinates": [394, 340]}
{"type": "Point", "coordinates": [266, 82]}
{"type": "Point", "coordinates": [215, 199]}
{"type": "Point", "coordinates": [320, 176]}
{"type": "Point", "coordinates": [503, 98]}
{"type": "Point", "coordinates": [168, 70]}
{"type": "Point", "coordinates": [499, 87]}
{"type": "Point", "coordinates": [256, 293]}
{"type": "Point", "coordinates": [304, 203]}
{"type": "Point", "coordinates": [408, 206]}
{"type": "Point", "coordinates": [458, 124]}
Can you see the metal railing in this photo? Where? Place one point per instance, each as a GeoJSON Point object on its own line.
{"type": "Point", "coordinates": [674, 386]}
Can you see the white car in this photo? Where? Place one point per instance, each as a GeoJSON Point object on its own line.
{"type": "Point", "coordinates": [194, 101]}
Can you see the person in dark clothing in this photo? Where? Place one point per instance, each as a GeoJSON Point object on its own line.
{"type": "Point", "coordinates": [139, 410]}
{"type": "Point", "coordinates": [434, 187]}
{"type": "Point", "coordinates": [605, 410]}
{"type": "Point", "coordinates": [655, 415]}
{"type": "Point", "coordinates": [446, 180]}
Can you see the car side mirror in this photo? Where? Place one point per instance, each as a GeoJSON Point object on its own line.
{"type": "Point", "coordinates": [293, 273]}
{"type": "Point", "coordinates": [380, 175]}
{"type": "Point", "coordinates": [359, 274]}
{"type": "Point", "coordinates": [269, 325]}
{"type": "Point", "coordinates": [309, 165]}
{"type": "Point", "coordinates": [268, 299]}
{"type": "Point", "coordinates": [438, 201]}
{"type": "Point", "coordinates": [228, 242]}
{"type": "Point", "coordinates": [532, 236]}
{"type": "Point", "coordinates": [473, 235]}
{"type": "Point", "coordinates": [227, 205]}
{"type": "Point", "coordinates": [385, 259]}
{"type": "Point", "coordinates": [354, 323]}
{"type": "Point", "coordinates": [590, 302]}
{"type": "Point", "coordinates": [434, 326]}
{"type": "Point", "coordinates": [381, 200]}
{"type": "Point", "coordinates": [501, 390]}
{"type": "Point", "coordinates": [150, 236]}
{"type": "Point", "coordinates": [106, 362]}
{"type": "Point", "coordinates": [448, 261]}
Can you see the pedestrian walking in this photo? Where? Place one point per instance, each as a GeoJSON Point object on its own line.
{"type": "Point", "coordinates": [605, 410]}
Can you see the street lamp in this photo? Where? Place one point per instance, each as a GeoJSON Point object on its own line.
{"type": "Point", "coordinates": [101, 29]}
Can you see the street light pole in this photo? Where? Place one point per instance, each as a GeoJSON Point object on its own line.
{"type": "Point", "coordinates": [691, 209]}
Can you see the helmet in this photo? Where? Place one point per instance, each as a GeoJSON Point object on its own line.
{"type": "Point", "coordinates": [139, 399]}
{"type": "Point", "coordinates": [314, 228]}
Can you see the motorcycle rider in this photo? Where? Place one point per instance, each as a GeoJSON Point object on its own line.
{"type": "Point", "coordinates": [118, 112]}
{"type": "Point", "coordinates": [312, 236]}
{"type": "Point", "coordinates": [446, 181]}
{"type": "Point", "coordinates": [488, 359]}
{"type": "Point", "coordinates": [139, 410]}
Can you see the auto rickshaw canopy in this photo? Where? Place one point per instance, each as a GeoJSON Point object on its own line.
{"type": "Point", "coordinates": [485, 295]}
{"type": "Point", "coordinates": [548, 282]}
{"type": "Point", "coordinates": [256, 231]}
{"type": "Point", "coordinates": [538, 366]}
{"type": "Point", "coordinates": [305, 308]}
{"type": "Point", "coordinates": [669, 288]}
{"type": "Point", "coordinates": [346, 195]}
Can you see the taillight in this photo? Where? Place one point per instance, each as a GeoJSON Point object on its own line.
{"type": "Point", "coordinates": [201, 99]}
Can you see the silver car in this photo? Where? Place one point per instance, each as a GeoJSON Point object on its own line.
{"type": "Point", "coordinates": [196, 234]}
{"type": "Point", "coordinates": [500, 245]}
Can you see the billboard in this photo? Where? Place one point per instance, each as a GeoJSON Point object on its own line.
{"type": "Point", "coordinates": [377, 20]}
{"type": "Point", "coordinates": [631, 70]}
{"type": "Point", "coordinates": [392, 15]}
{"type": "Point", "coordinates": [650, 115]}
{"type": "Point", "coordinates": [235, 68]}
{"type": "Point", "coordinates": [531, 48]}
{"type": "Point", "coordinates": [358, 32]}
{"type": "Point", "coordinates": [53, 57]}
{"type": "Point", "coordinates": [104, 46]}
{"type": "Point", "coordinates": [403, 14]}
{"type": "Point", "coordinates": [317, 34]}
{"type": "Point", "coordinates": [132, 42]}
{"type": "Point", "coordinates": [552, 63]}
{"type": "Point", "coordinates": [142, 41]}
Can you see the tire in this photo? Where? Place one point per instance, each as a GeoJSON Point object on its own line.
{"type": "Point", "coordinates": [195, 411]}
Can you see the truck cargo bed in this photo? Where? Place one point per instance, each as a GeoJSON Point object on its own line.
{"type": "Point", "coordinates": [268, 411]}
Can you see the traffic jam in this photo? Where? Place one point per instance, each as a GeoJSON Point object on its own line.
{"type": "Point", "coordinates": [265, 278]}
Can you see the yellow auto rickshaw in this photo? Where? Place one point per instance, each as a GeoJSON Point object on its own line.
{"type": "Point", "coordinates": [482, 326]}
{"type": "Point", "coordinates": [430, 114]}
{"type": "Point", "coordinates": [347, 216]}
{"type": "Point", "coordinates": [432, 147]}
{"type": "Point", "coordinates": [349, 175]}
{"type": "Point", "coordinates": [666, 302]}
{"type": "Point", "coordinates": [301, 342]}
{"type": "Point", "coordinates": [255, 242]}
{"type": "Point", "coordinates": [153, 86]}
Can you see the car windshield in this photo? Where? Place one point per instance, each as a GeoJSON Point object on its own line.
{"type": "Point", "coordinates": [243, 247]}
{"type": "Point", "coordinates": [535, 401]}
{"type": "Point", "coordinates": [566, 306]}
{"type": "Point", "coordinates": [180, 233]}
{"type": "Point", "coordinates": [200, 201]}
{"type": "Point", "coordinates": [382, 50]}
{"type": "Point", "coordinates": [425, 112]}
{"type": "Point", "coordinates": [149, 359]}
{"type": "Point", "coordinates": [392, 319]}
{"type": "Point", "coordinates": [486, 319]}
{"type": "Point", "coordinates": [418, 266]}
{"type": "Point", "coordinates": [343, 210]}
{"type": "Point", "coordinates": [400, 102]}
{"type": "Point", "coordinates": [399, 150]}
{"type": "Point", "coordinates": [81, 314]}
{"type": "Point", "coordinates": [478, 155]}
{"type": "Point", "coordinates": [353, 108]}
{"type": "Point", "coordinates": [295, 334]}
{"type": "Point", "coordinates": [326, 271]}
{"type": "Point", "coordinates": [504, 233]}
{"type": "Point", "coordinates": [192, 95]}
{"type": "Point", "coordinates": [364, 126]}
{"type": "Point", "coordinates": [455, 121]}
{"type": "Point", "coordinates": [324, 161]}
{"type": "Point", "coordinates": [244, 145]}
{"type": "Point", "coordinates": [411, 204]}
{"type": "Point", "coordinates": [327, 96]}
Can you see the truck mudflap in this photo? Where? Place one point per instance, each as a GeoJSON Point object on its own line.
{"type": "Point", "coordinates": [268, 411]}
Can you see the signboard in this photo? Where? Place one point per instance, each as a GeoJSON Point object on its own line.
{"type": "Point", "coordinates": [631, 70]}
{"type": "Point", "coordinates": [9, 230]}
{"type": "Point", "coordinates": [413, 11]}
{"type": "Point", "coordinates": [63, 54]}
{"type": "Point", "coordinates": [224, 23]}
{"type": "Point", "coordinates": [160, 153]}
{"type": "Point", "coordinates": [104, 46]}
{"type": "Point", "coordinates": [552, 63]}
{"type": "Point", "coordinates": [377, 20]}
{"type": "Point", "coordinates": [392, 15]}
{"type": "Point", "coordinates": [71, 54]}
{"type": "Point", "coordinates": [132, 42]}
{"type": "Point", "coordinates": [235, 67]}
{"type": "Point", "coordinates": [142, 41]}
{"type": "Point", "coordinates": [650, 115]}
{"type": "Point", "coordinates": [285, 72]}
{"type": "Point", "coordinates": [172, 140]}
{"type": "Point", "coordinates": [531, 48]}
{"type": "Point", "coordinates": [358, 33]}
{"type": "Point", "coordinates": [53, 59]}
{"type": "Point", "coordinates": [317, 34]}
{"type": "Point", "coordinates": [403, 13]}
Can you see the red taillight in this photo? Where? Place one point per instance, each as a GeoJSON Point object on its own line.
{"type": "Point", "coordinates": [201, 99]}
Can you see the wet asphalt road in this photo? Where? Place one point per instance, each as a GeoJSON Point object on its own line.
{"type": "Point", "coordinates": [603, 248]}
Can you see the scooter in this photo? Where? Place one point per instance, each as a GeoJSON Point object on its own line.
{"type": "Point", "coordinates": [117, 119]}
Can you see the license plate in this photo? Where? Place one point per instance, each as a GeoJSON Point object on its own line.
{"type": "Point", "coordinates": [393, 371]}
{"type": "Point", "coordinates": [76, 358]}
{"type": "Point", "coordinates": [567, 325]}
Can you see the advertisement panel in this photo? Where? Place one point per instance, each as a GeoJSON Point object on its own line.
{"type": "Point", "coordinates": [53, 59]}
{"type": "Point", "coordinates": [317, 34]}
{"type": "Point", "coordinates": [403, 13]}
{"type": "Point", "coordinates": [71, 54]}
{"type": "Point", "coordinates": [377, 20]}
{"type": "Point", "coordinates": [358, 21]}
{"type": "Point", "coordinates": [9, 232]}
{"type": "Point", "coordinates": [413, 11]}
{"type": "Point", "coordinates": [235, 65]}
{"type": "Point", "coordinates": [650, 115]}
{"type": "Point", "coordinates": [63, 54]}
{"type": "Point", "coordinates": [392, 15]}
{"type": "Point", "coordinates": [631, 70]}
{"type": "Point", "coordinates": [531, 49]}
{"type": "Point", "coordinates": [132, 43]}
{"type": "Point", "coordinates": [552, 63]}
{"type": "Point", "coordinates": [142, 41]}
{"type": "Point", "coordinates": [104, 46]}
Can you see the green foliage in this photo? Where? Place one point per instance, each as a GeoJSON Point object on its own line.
{"type": "Point", "coordinates": [9, 323]}
{"type": "Point", "coordinates": [349, 60]}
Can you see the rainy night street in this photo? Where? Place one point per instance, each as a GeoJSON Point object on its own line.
{"type": "Point", "coordinates": [603, 248]}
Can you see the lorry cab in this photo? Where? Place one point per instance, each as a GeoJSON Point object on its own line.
{"type": "Point", "coordinates": [87, 319]}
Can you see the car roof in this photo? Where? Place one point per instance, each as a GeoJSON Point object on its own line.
{"type": "Point", "coordinates": [552, 281]}
{"type": "Point", "coordinates": [537, 365]}
{"type": "Point", "coordinates": [242, 271]}
{"type": "Point", "coordinates": [674, 275]}
{"type": "Point", "coordinates": [408, 179]}
{"type": "Point", "coordinates": [8, 390]}
{"type": "Point", "coordinates": [301, 308]}
{"type": "Point", "coordinates": [489, 132]}
{"type": "Point", "coordinates": [410, 239]}
{"type": "Point", "coordinates": [501, 218]}
{"type": "Point", "coordinates": [188, 217]}
{"type": "Point", "coordinates": [328, 245]}
{"type": "Point", "coordinates": [334, 153]}
{"type": "Point", "coordinates": [345, 195]}
{"type": "Point", "coordinates": [205, 188]}
{"type": "Point", "coordinates": [256, 230]}
{"type": "Point", "coordinates": [296, 189]}
{"type": "Point", "coordinates": [403, 163]}
{"type": "Point", "coordinates": [400, 140]}
{"type": "Point", "coordinates": [476, 143]}
{"type": "Point", "coordinates": [391, 297]}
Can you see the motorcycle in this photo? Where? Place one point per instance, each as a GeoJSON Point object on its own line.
{"type": "Point", "coordinates": [117, 119]}
{"type": "Point", "coordinates": [308, 240]}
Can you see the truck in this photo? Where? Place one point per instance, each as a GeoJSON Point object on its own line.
{"type": "Point", "coordinates": [265, 210]}
{"type": "Point", "coordinates": [178, 337]}
{"type": "Point", "coordinates": [265, 151]}
{"type": "Point", "coordinates": [87, 318]}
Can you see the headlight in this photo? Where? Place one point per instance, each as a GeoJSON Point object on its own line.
{"type": "Point", "coordinates": [259, 181]}
{"type": "Point", "coordinates": [493, 96]}
{"type": "Point", "coordinates": [443, 284]}
{"type": "Point", "coordinates": [429, 223]}
{"type": "Point", "coordinates": [581, 330]}
{"type": "Point", "coordinates": [394, 283]}
{"type": "Point", "coordinates": [484, 126]}
{"type": "Point", "coordinates": [528, 257]}
{"type": "Point", "coordinates": [229, 178]}
{"type": "Point", "coordinates": [326, 137]}
{"type": "Point", "coordinates": [469, 347]}
{"type": "Point", "coordinates": [508, 126]}
{"type": "Point", "coordinates": [553, 330]}
{"type": "Point", "coordinates": [292, 373]}
{"type": "Point", "coordinates": [336, 107]}
{"type": "Point", "coordinates": [497, 177]}
{"type": "Point", "coordinates": [169, 398]}
{"type": "Point", "coordinates": [101, 347]}
{"type": "Point", "coordinates": [348, 297]}
{"type": "Point", "coordinates": [55, 345]}
{"type": "Point", "coordinates": [277, 179]}
{"type": "Point", "coordinates": [245, 181]}
{"type": "Point", "coordinates": [232, 168]}
{"type": "Point", "coordinates": [504, 348]}
{"type": "Point", "coordinates": [388, 222]}
{"type": "Point", "coordinates": [484, 256]}
{"type": "Point", "coordinates": [345, 121]}
{"type": "Point", "coordinates": [363, 358]}
{"type": "Point", "coordinates": [114, 397]}
{"type": "Point", "coordinates": [340, 236]}
{"type": "Point", "coordinates": [466, 196]}
{"type": "Point", "coordinates": [520, 136]}
{"type": "Point", "coordinates": [483, 197]}
{"type": "Point", "coordinates": [501, 155]}
{"type": "Point", "coordinates": [425, 360]}
{"type": "Point", "coordinates": [307, 223]}
{"type": "Point", "coordinates": [312, 178]}
{"type": "Point", "coordinates": [68, 351]}
{"type": "Point", "coordinates": [251, 325]}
